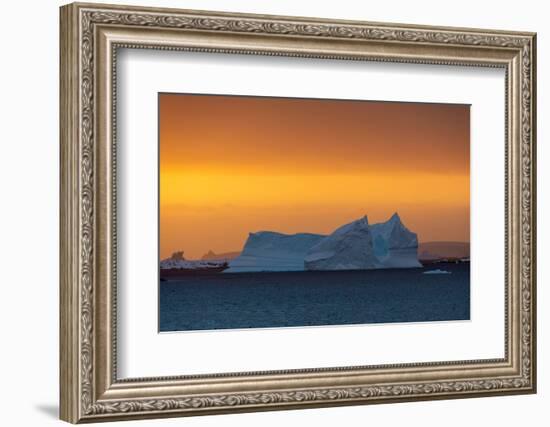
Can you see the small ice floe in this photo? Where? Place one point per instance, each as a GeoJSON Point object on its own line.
{"type": "Point", "coordinates": [438, 271]}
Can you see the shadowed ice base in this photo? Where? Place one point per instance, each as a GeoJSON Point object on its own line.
{"type": "Point", "coordinates": [310, 298]}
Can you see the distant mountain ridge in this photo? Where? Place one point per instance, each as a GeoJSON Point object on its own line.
{"type": "Point", "coordinates": [443, 249]}
{"type": "Point", "coordinates": [210, 255]}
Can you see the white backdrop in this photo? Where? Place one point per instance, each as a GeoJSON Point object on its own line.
{"type": "Point", "coordinates": [29, 170]}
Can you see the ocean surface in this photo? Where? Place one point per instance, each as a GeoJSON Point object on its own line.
{"type": "Point", "coordinates": [314, 298]}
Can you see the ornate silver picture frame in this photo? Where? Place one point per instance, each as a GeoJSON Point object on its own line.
{"type": "Point", "coordinates": [91, 34]}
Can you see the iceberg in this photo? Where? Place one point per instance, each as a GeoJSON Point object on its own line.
{"type": "Point", "coordinates": [350, 247]}
{"type": "Point", "coordinates": [354, 246]}
{"type": "Point", "coordinates": [271, 251]}
{"type": "Point", "coordinates": [395, 246]}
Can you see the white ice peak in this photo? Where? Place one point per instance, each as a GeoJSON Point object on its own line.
{"type": "Point", "coordinates": [347, 248]}
{"type": "Point", "coordinates": [395, 246]}
{"type": "Point", "coordinates": [394, 233]}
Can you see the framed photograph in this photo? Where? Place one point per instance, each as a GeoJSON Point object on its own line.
{"type": "Point", "coordinates": [265, 212]}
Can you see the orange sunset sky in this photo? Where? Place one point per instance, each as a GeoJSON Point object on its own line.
{"type": "Point", "coordinates": [230, 165]}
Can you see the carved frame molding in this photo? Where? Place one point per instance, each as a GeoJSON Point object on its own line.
{"type": "Point", "coordinates": [90, 37]}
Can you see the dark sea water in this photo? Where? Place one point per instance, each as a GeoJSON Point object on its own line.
{"type": "Point", "coordinates": [308, 298]}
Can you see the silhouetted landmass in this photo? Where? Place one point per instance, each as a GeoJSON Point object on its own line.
{"type": "Point", "coordinates": [443, 250]}
{"type": "Point", "coordinates": [225, 255]}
